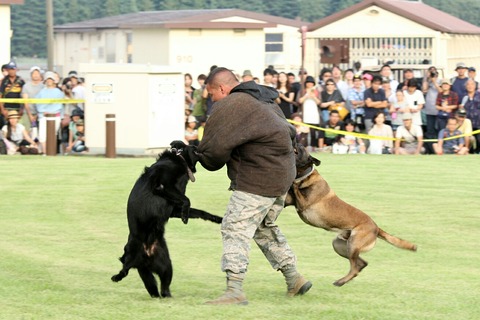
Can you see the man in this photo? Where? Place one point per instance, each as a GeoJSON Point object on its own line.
{"type": "Point", "coordinates": [261, 166]}
{"type": "Point", "coordinates": [342, 86]}
{"type": "Point", "coordinates": [30, 90]}
{"type": "Point", "coordinates": [355, 101]}
{"type": "Point", "coordinates": [247, 76]}
{"type": "Point", "coordinates": [453, 145]}
{"type": "Point", "coordinates": [78, 90]}
{"type": "Point", "coordinates": [465, 127]}
{"type": "Point", "coordinates": [409, 137]}
{"type": "Point", "coordinates": [471, 104]}
{"type": "Point", "coordinates": [268, 77]}
{"type": "Point", "coordinates": [386, 72]}
{"type": "Point", "coordinates": [458, 82]}
{"type": "Point", "coordinates": [327, 138]}
{"type": "Point", "coordinates": [10, 87]}
{"type": "Point", "coordinates": [407, 75]}
{"type": "Point", "coordinates": [375, 99]}
{"type": "Point", "coordinates": [447, 103]}
{"type": "Point", "coordinates": [415, 101]}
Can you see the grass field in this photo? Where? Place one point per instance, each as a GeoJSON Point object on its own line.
{"type": "Point", "coordinates": [63, 226]}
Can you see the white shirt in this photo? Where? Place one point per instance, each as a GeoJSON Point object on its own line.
{"type": "Point", "coordinates": [310, 112]}
{"type": "Point", "coordinates": [417, 96]}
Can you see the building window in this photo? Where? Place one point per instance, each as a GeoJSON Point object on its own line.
{"type": "Point", "coordinates": [129, 47]}
{"type": "Point", "coordinates": [110, 47]}
{"type": "Point", "coordinates": [273, 42]}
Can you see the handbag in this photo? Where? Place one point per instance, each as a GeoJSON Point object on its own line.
{"type": "Point", "coordinates": [342, 110]}
{"type": "Point", "coordinates": [386, 150]}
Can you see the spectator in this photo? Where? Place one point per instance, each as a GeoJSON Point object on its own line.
{"type": "Point", "coordinates": [247, 76]}
{"type": "Point", "coordinates": [391, 97]}
{"type": "Point", "coordinates": [4, 72]}
{"type": "Point", "coordinates": [15, 132]}
{"type": "Point", "coordinates": [302, 131]}
{"type": "Point", "coordinates": [415, 101]}
{"type": "Point", "coordinates": [386, 73]}
{"type": "Point", "coordinates": [327, 138]}
{"type": "Point", "coordinates": [465, 127]}
{"type": "Point", "coordinates": [458, 82]}
{"type": "Point", "coordinates": [407, 75]}
{"type": "Point", "coordinates": [380, 129]}
{"type": "Point", "coordinates": [356, 102]}
{"type": "Point", "coordinates": [191, 133]}
{"type": "Point", "coordinates": [78, 90]}
{"type": "Point", "coordinates": [367, 80]}
{"type": "Point", "coordinates": [325, 74]}
{"type": "Point", "coordinates": [77, 114]}
{"type": "Point", "coordinates": [10, 87]}
{"type": "Point", "coordinates": [348, 143]}
{"type": "Point", "coordinates": [450, 146]}
{"type": "Point", "coordinates": [332, 100]}
{"type": "Point", "coordinates": [348, 78]}
{"type": "Point", "coordinates": [431, 86]}
{"type": "Point", "coordinates": [398, 107]}
{"type": "Point", "coordinates": [472, 74]}
{"type": "Point", "coordinates": [79, 142]}
{"type": "Point", "coordinates": [342, 86]}
{"type": "Point", "coordinates": [447, 102]}
{"type": "Point", "coordinates": [268, 77]}
{"type": "Point", "coordinates": [310, 109]}
{"type": "Point", "coordinates": [30, 90]}
{"type": "Point", "coordinates": [298, 87]}
{"type": "Point", "coordinates": [188, 93]}
{"type": "Point", "coordinates": [50, 91]}
{"type": "Point", "coordinates": [471, 104]}
{"type": "Point", "coordinates": [285, 95]}
{"type": "Point", "coordinates": [199, 101]}
{"type": "Point", "coordinates": [409, 137]}
{"type": "Point", "coordinates": [274, 78]}
{"type": "Point", "coordinates": [375, 100]}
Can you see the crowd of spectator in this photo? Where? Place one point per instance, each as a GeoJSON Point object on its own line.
{"type": "Point", "coordinates": [411, 116]}
{"type": "Point", "coordinates": [23, 124]}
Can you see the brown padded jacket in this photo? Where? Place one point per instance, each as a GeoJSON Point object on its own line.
{"type": "Point", "coordinates": [248, 132]}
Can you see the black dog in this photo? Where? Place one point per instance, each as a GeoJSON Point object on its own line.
{"type": "Point", "coordinates": [158, 194]}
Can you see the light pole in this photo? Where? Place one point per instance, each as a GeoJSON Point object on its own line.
{"type": "Point", "coordinates": [49, 35]}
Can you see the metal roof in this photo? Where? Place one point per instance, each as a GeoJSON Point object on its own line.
{"type": "Point", "coordinates": [413, 10]}
{"type": "Point", "coordinates": [179, 19]}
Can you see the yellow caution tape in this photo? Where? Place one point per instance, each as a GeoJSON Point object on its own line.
{"type": "Point", "coordinates": [367, 136]}
{"type": "Point", "coordinates": [44, 101]}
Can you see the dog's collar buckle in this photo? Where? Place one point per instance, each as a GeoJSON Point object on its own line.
{"type": "Point", "coordinates": [300, 179]}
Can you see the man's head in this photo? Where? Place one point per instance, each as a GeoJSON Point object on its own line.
{"type": "Point", "coordinates": [407, 120]}
{"type": "Point", "coordinates": [461, 69]}
{"type": "Point", "coordinates": [220, 82]}
{"type": "Point", "coordinates": [336, 73]}
{"type": "Point", "coordinates": [412, 85]}
{"type": "Point", "coordinates": [386, 71]}
{"type": "Point", "coordinates": [407, 74]}
{"type": "Point", "coordinates": [334, 117]}
{"type": "Point", "coordinates": [452, 124]}
{"type": "Point", "coordinates": [446, 85]}
{"type": "Point", "coordinates": [376, 83]}
{"type": "Point", "coordinates": [461, 114]}
{"type": "Point", "coordinates": [36, 73]}
{"type": "Point", "coordinates": [470, 85]}
{"type": "Point", "coordinates": [247, 76]}
{"type": "Point", "coordinates": [49, 79]}
{"type": "Point", "coordinates": [11, 68]}
{"type": "Point", "coordinates": [201, 79]}
{"type": "Point", "coordinates": [472, 73]}
{"type": "Point", "coordinates": [268, 76]}
{"type": "Point", "coordinates": [357, 81]}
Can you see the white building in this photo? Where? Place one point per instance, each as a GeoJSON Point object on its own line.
{"type": "Point", "coordinates": [407, 32]}
{"type": "Point", "coordinates": [188, 40]}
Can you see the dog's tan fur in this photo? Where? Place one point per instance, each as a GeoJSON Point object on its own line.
{"type": "Point", "coordinates": [318, 205]}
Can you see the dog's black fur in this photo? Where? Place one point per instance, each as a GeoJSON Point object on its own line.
{"type": "Point", "coordinates": [158, 194]}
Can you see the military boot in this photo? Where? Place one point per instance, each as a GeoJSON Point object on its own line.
{"type": "Point", "coordinates": [296, 283]}
{"type": "Point", "coordinates": [234, 293]}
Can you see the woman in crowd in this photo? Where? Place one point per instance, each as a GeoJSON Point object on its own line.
{"type": "Point", "coordinates": [380, 129]}
{"type": "Point", "coordinates": [331, 100]}
{"type": "Point", "coordinates": [16, 132]}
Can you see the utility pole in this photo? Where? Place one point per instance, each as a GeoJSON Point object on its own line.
{"type": "Point", "coordinates": [50, 35]}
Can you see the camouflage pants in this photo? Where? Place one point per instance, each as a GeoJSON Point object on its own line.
{"type": "Point", "coordinates": [252, 216]}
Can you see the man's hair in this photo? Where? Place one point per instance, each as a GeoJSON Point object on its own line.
{"type": "Point", "coordinates": [377, 79]}
{"type": "Point", "coordinates": [221, 75]}
{"type": "Point", "coordinates": [334, 112]}
{"type": "Point", "coordinates": [202, 77]}
{"type": "Point", "coordinates": [385, 66]}
{"type": "Point", "coordinates": [268, 71]}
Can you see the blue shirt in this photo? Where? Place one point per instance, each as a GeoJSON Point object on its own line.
{"type": "Point", "coordinates": [49, 93]}
{"type": "Point", "coordinates": [449, 144]}
{"type": "Point", "coordinates": [458, 86]}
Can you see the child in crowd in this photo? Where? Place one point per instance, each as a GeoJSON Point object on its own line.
{"type": "Point", "coordinates": [397, 109]}
{"type": "Point", "coordinates": [191, 133]}
{"type": "Point", "coordinates": [76, 115]}
{"type": "Point", "coordinates": [79, 142]}
{"type": "Point", "coordinates": [348, 143]}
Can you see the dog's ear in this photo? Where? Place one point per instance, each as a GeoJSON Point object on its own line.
{"type": "Point", "coordinates": [178, 144]}
{"type": "Point", "coordinates": [315, 161]}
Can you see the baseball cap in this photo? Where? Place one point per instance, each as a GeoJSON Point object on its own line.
{"type": "Point", "coordinates": [461, 113]}
{"type": "Point", "coordinates": [35, 68]}
{"type": "Point", "coordinates": [447, 81]}
{"type": "Point", "coordinates": [11, 65]}
{"type": "Point", "coordinates": [367, 76]}
{"type": "Point", "coordinates": [472, 69]}
{"type": "Point", "coordinates": [407, 116]}
{"type": "Point", "coordinates": [247, 73]}
{"type": "Point", "coordinates": [49, 75]}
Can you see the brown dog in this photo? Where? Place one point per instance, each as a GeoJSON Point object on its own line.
{"type": "Point", "coordinates": [318, 206]}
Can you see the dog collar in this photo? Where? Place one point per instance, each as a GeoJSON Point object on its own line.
{"type": "Point", "coordinates": [298, 180]}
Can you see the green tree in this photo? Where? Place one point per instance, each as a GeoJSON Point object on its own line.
{"type": "Point", "coordinates": [29, 29]}
{"type": "Point", "coordinates": [312, 10]}
{"type": "Point", "coordinates": [145, 5]}
{"type": "Point", "coordinates": [112, 8]}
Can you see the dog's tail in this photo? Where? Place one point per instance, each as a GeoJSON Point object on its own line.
{"type": "Point", "coordinates": [397, 242]}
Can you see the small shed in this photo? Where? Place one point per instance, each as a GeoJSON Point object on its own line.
{"type": "Point", "coordinates": [147, 101]}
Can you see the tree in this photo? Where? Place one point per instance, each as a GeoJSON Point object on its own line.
{"type": "Point", "coordinates": [312, 10]}
{"type": "Point", "coordinates": [145, 5]}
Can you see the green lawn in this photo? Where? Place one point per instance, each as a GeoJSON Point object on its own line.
{"type": "Point", "coordinates": [63, 226]}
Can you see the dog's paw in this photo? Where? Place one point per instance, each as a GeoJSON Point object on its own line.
{"type": "Point", "coordinates": [116, 278]}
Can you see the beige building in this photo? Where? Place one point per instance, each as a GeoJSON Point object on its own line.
{"type": "Point", "coordinates": [5, 29]}
{"type": "Point", "coordinates": [187, 40]}
{"type": "Point", "coordinates": [399, 31]}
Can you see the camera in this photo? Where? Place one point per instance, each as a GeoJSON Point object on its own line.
{"type": "Point", "coordinates": [433, 74]}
